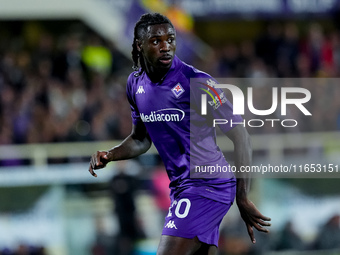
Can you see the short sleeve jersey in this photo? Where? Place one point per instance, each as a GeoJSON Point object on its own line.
{"type": "Point", "coordinates": [183, 137]}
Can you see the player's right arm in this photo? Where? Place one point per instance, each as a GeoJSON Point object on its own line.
{"type": "Point", "coordinates": [137, 143]}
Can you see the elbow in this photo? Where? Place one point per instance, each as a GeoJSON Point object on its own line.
{"type": "Point", "coordinates": [146, 144]}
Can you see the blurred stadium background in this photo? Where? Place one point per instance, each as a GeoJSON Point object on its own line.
{"type": "Point", "coordinates": [63, 69]}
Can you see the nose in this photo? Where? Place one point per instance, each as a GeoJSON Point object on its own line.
{"type": "Point", "coordinates": [165, 46]}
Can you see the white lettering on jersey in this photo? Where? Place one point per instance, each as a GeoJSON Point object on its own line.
{"type": "Point", "coordinates": [166, 115]}
{"type": "Point", "coordinates": [173, 204]}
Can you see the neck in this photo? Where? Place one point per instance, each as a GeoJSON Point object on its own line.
{"type": "Point", "coordinates": [155, 74]}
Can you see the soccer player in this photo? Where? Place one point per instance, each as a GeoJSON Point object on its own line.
{"type": "Point", "coordinates": [159, 94]}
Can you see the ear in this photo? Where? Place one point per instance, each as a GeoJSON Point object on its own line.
{"type": "Point", "coordinates": [138, 45]}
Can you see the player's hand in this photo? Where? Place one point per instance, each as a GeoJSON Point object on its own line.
{"type": "Point", "coordinates": [252, 218]}
{"type": "Point", "coordinates": [98, 161]}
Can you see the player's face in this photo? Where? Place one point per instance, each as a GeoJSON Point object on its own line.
{"type": "Point", "coordinates": [159, 46]}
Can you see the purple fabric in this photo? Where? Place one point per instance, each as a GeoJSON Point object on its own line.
{"type": "Point", "coordinates": [181, 135]}
{"type": "Point", "coordinates": [193, 215]}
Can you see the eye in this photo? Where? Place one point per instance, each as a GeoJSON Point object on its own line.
{"type": "Point", "coordinates": [170, 40]}
{"type": "Point", "coordinates": [155, 42]}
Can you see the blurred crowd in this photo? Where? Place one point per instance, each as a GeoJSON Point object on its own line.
{"type": "Point", "coordinates": [281, 50]}
{"type": "Point", "coordinates": [235, 240]}
{"type": "Point", "coordinates": [65, 88]}
{"type": "Point", "coordinates": [71, 86]}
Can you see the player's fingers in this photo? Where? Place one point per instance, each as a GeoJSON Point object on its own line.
{"type": "Point", "coordinates": [251, 233]}
{"type": "Point", "coordinates": [256, 224]}
{"type": "Point", "coordinates": [260, 228]}
{"type": "Point", "coordinates": [264, 217]}
{"type": "Point", "coordinates": [92, 171]}
{"type": "Point", "coordinates": [99, 159]}
{"type": "Point", "coordinates": [263, 223]}
{"type": "Point", "coordinates": [261, 216]}
{"type": "Point", "coordinates": [92, 159]}
{"type": "Point", "coordinates": [93, 162]}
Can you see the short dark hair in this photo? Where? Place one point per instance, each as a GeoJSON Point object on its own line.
{"type": "Point", "coordinates": [141, 26]}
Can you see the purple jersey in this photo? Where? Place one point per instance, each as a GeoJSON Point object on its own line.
{"type": "Point", "coordinates": [181, 135]}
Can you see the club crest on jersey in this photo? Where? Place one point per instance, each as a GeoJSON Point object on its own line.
{"type": "Point", "coordinates": [177, 90]}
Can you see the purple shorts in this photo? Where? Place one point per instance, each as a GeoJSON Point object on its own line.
{"type": "Point", "coordinates": [192, 215]}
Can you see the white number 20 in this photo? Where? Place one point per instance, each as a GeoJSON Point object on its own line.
{"type": "Point", "coordinates": [187, 208]}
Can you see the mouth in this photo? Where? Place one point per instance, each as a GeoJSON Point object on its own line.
{"type": "Point", "coordinates": [166, 59]}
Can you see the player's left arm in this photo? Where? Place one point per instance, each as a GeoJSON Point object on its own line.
{"type": "Point", "coordinates": [243, 155]}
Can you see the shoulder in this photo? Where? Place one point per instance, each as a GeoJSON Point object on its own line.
{"type": "Point", "coordinates": [195, 78]}
{"type": "Point", "coordinates": [192, 72]}
{"type": "Point", "coordinates": [133, 78]}
{"type": "Point", "coordinates": [132, 82]}
{"type": "Point", "coordinates": [191, 75]}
